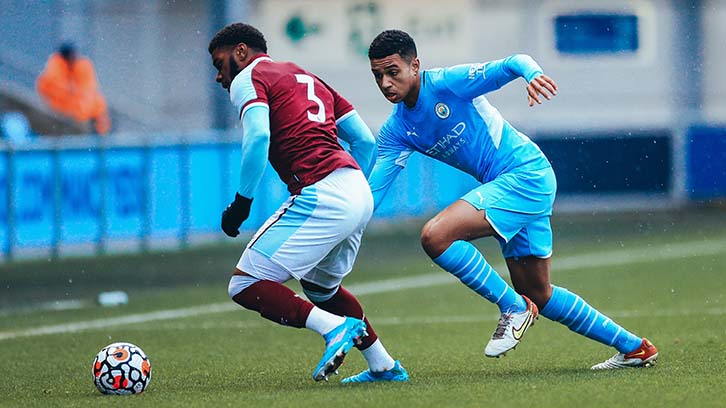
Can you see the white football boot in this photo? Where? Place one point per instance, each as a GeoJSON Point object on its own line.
{"type": "Point", "coordinates": [510, 329]}
{"type": "Point", "coordinates": [643, 356]}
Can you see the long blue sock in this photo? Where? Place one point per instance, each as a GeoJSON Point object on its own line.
{"type": "Point", "coordinates": [464, 261]}
{"type": "Point", "coordinates": [572, 311]}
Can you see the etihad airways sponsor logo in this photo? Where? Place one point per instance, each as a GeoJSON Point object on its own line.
{"type": "Point", "coordinates": [450, 143]}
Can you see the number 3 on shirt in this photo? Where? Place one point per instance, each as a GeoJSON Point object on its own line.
{"type": "Point", "coordinates": [308, 80]}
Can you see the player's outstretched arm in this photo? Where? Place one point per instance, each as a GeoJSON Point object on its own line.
{"type": "Point", "coordinates": [391, 159]}
{"type": "Point", "coordinates": [472, 80]}
{"type": "Point", "coordinates": [356, 133]}
{"type": "Point", "coordinates": [539, 85]}
{"type": "Point", "coordinates": [382, 176]}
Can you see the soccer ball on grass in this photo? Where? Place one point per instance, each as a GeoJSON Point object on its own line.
{"type": "Point", "coordinates": [121, 368]}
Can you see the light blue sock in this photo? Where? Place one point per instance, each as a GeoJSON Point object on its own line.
{"type": "Point", "coordinates": [572, 311]}
{"type": "Point", "coordinates": [464, 261]}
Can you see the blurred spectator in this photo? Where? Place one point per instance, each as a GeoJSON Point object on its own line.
{"type": "Point", "coordinates": [68, 84]}
{"type": "Point", "coordinates": [15, 128]}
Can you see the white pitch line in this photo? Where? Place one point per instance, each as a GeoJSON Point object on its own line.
{"type": "Point", "coordinates": [598, 259]}
{"type": "Point", "coordinates": [56, 305]}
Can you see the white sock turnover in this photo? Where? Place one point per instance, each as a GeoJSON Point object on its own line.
{"type": "Point", "coordinates": [323, 322]}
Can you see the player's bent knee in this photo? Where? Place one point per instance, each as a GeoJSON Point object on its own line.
{"type": "Point", "coordinates": [434, 240]}
{"type": "Point", "coordinates": [238, 283]}
{"type": "Point", "coordinates": [316, 293]}
{"type": "Point", "coordinates": [316, 296]}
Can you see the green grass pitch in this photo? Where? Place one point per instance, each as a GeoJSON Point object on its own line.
{"type": "Point", "coordinates": [660, 275]}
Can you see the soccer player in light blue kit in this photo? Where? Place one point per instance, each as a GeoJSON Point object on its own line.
{"type": "Point", "coordinates": [443, 114]}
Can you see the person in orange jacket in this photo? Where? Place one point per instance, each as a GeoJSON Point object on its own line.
{"type": "Point", "coordinates": [68, 85]}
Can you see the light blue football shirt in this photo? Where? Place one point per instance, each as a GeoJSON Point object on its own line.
{"type": "Point", "coordinates": [454, 123]}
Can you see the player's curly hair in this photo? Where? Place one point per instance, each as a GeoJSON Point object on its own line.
{"type": "Point", "coordinates": [236, 33]}
{"type": "Point", "coordinates": [392, 42]}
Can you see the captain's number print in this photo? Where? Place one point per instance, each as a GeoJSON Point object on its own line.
{"type": "Point", "coordinates": [308, 80]}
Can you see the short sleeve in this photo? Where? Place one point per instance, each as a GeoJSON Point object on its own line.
{"type": "Point", "coordinates": [248, 89]}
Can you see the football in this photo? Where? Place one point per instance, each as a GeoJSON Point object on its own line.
{"type": "Point", "coordinates": [121, 369]}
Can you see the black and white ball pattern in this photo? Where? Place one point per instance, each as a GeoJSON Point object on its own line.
{"type": "Point", "coordinates": [121, 368]}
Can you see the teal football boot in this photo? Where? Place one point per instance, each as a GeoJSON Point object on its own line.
{"type": "Point", "coordinates": [337, 344]}
{"type": "Point", "coordinates": [395, 374]}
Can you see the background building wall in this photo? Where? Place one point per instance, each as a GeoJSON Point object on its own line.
{"type": "Point", "coordinates": [153, 65]}
{"type": "Point", "coordinates": [714, 61]}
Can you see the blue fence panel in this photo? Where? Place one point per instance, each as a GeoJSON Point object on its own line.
{"type": "Point", "coordinates": [232, 156]}
{"type": "Point", "coordinates": [602, 33]}
{"type": "Point", "coordinates": [706, 162]}
{"type": "Point", "coordinates": [230, 176]}
{"type": "Point", "coordinates": [611, 162]}
{"type": "Point", "coordinates": [97, 192]}
{"type": "Point", "coordinates": [164, 192]}
{"type": "Point", "coordinates": [125, 196]}
{"type": "Point", "coordinates": [33, 189]}
{"type": "Point", "coordinates": [4, 208]}
{"type": "Point", "coordinates": [80, 196]}
{"type": "Point", "coordinates": [205, 188]}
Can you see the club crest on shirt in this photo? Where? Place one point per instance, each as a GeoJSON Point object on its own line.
{"type": "Point", "coordinates": [442, 111]}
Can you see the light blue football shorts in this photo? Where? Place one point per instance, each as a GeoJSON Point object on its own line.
{"type": "Point", "coordinates": [315, 235]}
{"type": "Point", "coordinates": [518, 205]}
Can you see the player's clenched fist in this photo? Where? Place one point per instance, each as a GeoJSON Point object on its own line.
{"type": "Point", "coordinates": [234, 215]}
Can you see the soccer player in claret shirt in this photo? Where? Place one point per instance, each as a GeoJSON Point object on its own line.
{"type": "Point", "coordinates": [293, 118]}
{"type": "Point", "coordinates": [443, 114]}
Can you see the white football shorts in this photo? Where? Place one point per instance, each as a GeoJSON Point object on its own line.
{"type": "Point", "coordinates": [315, 235]}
